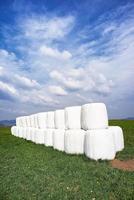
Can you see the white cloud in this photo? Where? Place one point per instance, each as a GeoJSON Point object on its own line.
{"type": "Point", "coordinates": [57, 90]}
{"type": "Point", "coordinates": [55, 53]}
{"type": "Point", "coordinates": [7, 88]}
{"type": "Point", "coordinates": [44, 27]}
{"type": "Point", "coordinates": [1, 71]}
{"type": "Point", "coordinates": [24, 81]}
{"type": "Point", "coordinates": [90, 80]}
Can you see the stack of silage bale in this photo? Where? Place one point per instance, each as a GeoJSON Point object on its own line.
{"type": "Point", "coordinates": [75, 130]}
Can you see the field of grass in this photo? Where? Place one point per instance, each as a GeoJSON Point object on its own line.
{"type": "Point", "coordinates": [29, 171]}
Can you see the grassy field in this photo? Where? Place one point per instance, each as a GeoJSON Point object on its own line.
{"type": "Point", "coordinates": [30, 171]}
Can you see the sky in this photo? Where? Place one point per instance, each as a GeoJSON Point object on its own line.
{"type": "Point", "coordinates": [58, 53]}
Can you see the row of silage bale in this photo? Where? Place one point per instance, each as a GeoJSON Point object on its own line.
{"type": "Point", "coordinates": [75, 129]}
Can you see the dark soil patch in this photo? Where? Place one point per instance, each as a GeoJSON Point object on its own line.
{"type": "Point", "coordinates": [126, 165]}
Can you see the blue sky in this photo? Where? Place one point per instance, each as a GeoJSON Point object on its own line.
{"type": "Point", "coordinates": [58, 53]}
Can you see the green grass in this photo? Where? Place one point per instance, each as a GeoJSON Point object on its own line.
{"type": "Point", "coordinates": [30, 171]}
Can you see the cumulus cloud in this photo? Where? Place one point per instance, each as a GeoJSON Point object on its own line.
{"type": "Point", "coordinates": [43, 27]}
{"type": "Point", "coordinates": [7, 91]}
{"type": "Point", "coordinates": [83, 79]}
{"type": "Point", "coordinates": [55, 53]}
{"type": "Point", "coordinates": [25, 82]}
{"type": "Point", "coordinates": [54, 89]}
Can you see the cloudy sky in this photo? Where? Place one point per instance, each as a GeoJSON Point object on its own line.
{"type": "Point", "coordinates": [57, 53]}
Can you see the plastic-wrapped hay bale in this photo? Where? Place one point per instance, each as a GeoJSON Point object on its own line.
{"type": "Point", "coordinates": [28, 121]}
{"type": "Point", "coordinates": [58, 139]}
{"type": "Point", "coordinates": [33, 134]}
{"type": "Point", "coordinates": [59, 119]}
{"type": "Point", "coordinates": [28, 133]}
{"type": "Point", "coordinates": [13, 130]}
{"type": "Point", "coordinates": [118, 137]}
{"type": "Point", "coordinates": [17, 121]}
{"type": "Point", "coordinates": [42, 120]}
{"type": "Point", "coordinates": [40, 136]}
{"type": "Point", "coordinates": [48, 137]}
{"type": "Point", "coordinates": [20, 132]}
{"type": "Point", "coordinates": [94, 116]}
{"type": "Point", "coordinates": [32, 122]}
{"type": "Point", "coordinates": [24, 132]}
{"type": "Point", "coordinates": [17, 131]}
{"type": "Point", "coordinates": [73, 117]}
{"type": "Point", "coordinates": [36, 121]}
{"type": "Point", "coordinates": [99, 144]}
{"type": "Point", "coordinates": [74, 141]}
{"type": "Point", "coordinates": [50, 120]}
{"type": "Point", "coordinates": [58, 133]}
{"type": "Point", "coordinates": [23, 121]}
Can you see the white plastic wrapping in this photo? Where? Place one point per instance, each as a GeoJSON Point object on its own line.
{"type": "Point", "coordinates": [50, 120]}
{"type": "Point", "coordinates": [16, 131]}
{"type": "Point", "coordinates": [36, 121]}
{"type": "Point", "coordinates": [40, 136]}
{"type": "Point", "coordinates": [28, 133]}
{"type": "Point", "coordinates": [18, 121]}
{"type": "Point", "coordinates": [23, 122]}
{"type": "Point", "coordinates": [58, 139]}
{"type": "Point", "coordinates": [74, 141]}
{"type": "Point", "coordinates": [48, 137]}
{"type": "Point", "coordinates": [42, 120]}
{"type": "Point", "coordinates": [28, 121]}
{"type": "Point", "coordinates": [118, 137]}
{"type": "Point", "coordinates": [32, 121]}
{"type": "Point", "coordinates": [20, 132]}
{"type": "Point", "coordinates": [13, 130]}
{"type": "Point", "coordinates": [73, 117]}
{"type": "Point", "coordinates": [24, 132]}
{"type": "Point", "coordinates": [59, 119]}
{"type": "Point", "coordinates": [99, 144]}
{"type": "Point", "coordinates": [94, 116]}
{"type": "Point", "coordinates": [33, 134]}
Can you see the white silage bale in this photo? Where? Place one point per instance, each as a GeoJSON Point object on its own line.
{"type": "Point", "coordinates": [94, 116]}
{"type": "Point", "coordinates": [32, 121]}
{"type": "Point", "coordinates": [21, 132]}
{"type": "Point", "coordinates": [33, 134]}
{"type": "Point", "coordinates": [118, 137]}
{"type": "Point", "coordinates": [36, 121]}
{"type": "Point", "coordinates": [28, 133]}
{"type": "Point", "coordinates": [13, 130]}
{"type": "Point", "coordinates": [59, 119]}
{"type": "Point", "coordinates": [17, 131]}
{"type": "Point", "coordinates": [23, 121]}
{"type": "Point", "coordinates": [28, 121]}
{"type": "Point", "coordinates": [42, 120]}
{"type": "Point", "coordinates": [24, 132]}
{"type": "Point", "coordinates": [74, 141]}
{"type": "Point", "coordinates": [17, 121]}
{"type": "Point", "coordinates": [73, 117]}
{"type": "Point", "coordinates": [40, 136]}
{"type": "Point", "coordinates": [99, 144]}
{"type": "Point", "coordinates": [50, 120]}
{"type": "Point", "coordinates": [48, 137]}
{"type": "Point", "coordinates": [58, 139]}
